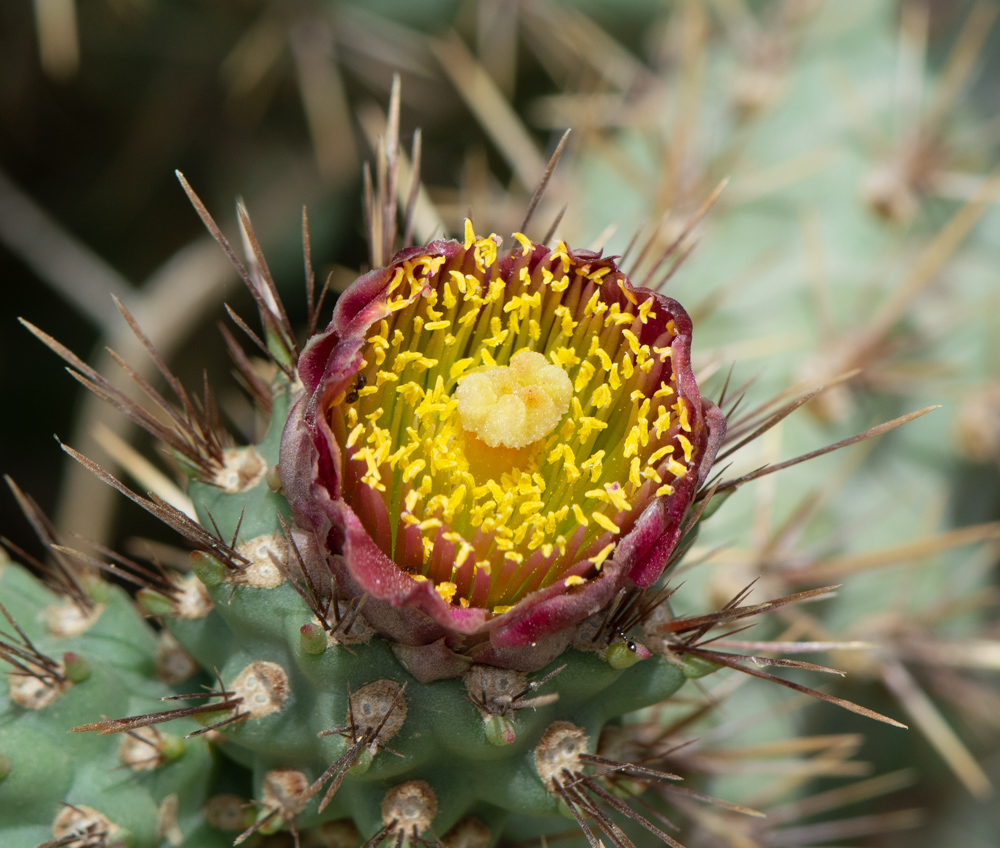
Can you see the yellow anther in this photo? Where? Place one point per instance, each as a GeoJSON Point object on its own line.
{"type": "Point", "coordinates": [633, 343]}
{"type": "Point", "coordinates": [446, 590]}
{"type": "Point", "coordinates": [659, 453]}
{"type": "Point", "coordinates": [592, 305]}
{"type": "Point", "coordinates": [455, 501]}
{"type": "Point", "coordinates": [665, 489]}
{"type": "Point", "coordinates": [601, 396]}
{"type": "Point", "coordinates": [628, 295]}
{"type": "Point", "coordinates": [525, 242]}
{"type": "Point", "coordinates": [459, 367]}
{"type": "Point", "coordinates": [674, 467]}
{"type": "Point", "coordinates": [602, 555]}
{"type": "Point", "coordinates": [470, 234]}
{"type": "Point", "coordinates": [613, 379]}
{"type": "Point", "coordinates": [354, 435]}
{"type": "Point", "coordinates": [437, 325]}
{"type": "Point", "coordinates": [500, 609]}
{"type": "Point", "coordinates": [685, 444]}
{"type": "Point", "coordinates": [605, 522]}
{"type": "Point", "coordinates": [665, 390]}
{"type": "Point", "coordinates": [395, 282]}
{"type": "Point", "coordinates": [413, 470]}
{"type": "Point", "coordinates": [581, 519]}
{"type": "Point", "coordinates": [560, 284]}
{"type": "Point", "coordinates": [646, 310]}
{"type": "Point", "coordinates": [616, 497]}
{"type": "Point", "coordinates": [587, 370]}
{"type": "Point", "coordinates": [562, 253]}
{"type": "Point", "coordinates": [573, 580]}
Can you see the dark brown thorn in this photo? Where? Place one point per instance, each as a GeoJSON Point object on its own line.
{"type": "Point", "coordinates": [239, 524]}
{"type": "Point", "coordinates": [731, 612]}
{"type": "Point", "coordinates": [353, 614]}
{"type": "Point", "coordinates": [311, 311]}
{"type": "Point", "coordinates": [534, 685]}
{"type": "Point", "coordinates": [213, 228]}
{"type": "Point", "coordinates": [102, 388]}
{"type": "Point", "coordinates": [721, 402]}
{"type": "Point", "coordinates": [311, 594]}
{"type": "Point", "coordinates": [544, 181]}
{"type": "Point", "coordinates": [169, 515]}
{"type": "Point", "coordinates": [62, 578]}
{"type": "Point", "coordinates": [120, 725]}
{"type": "Point", "coordinates": [379, 836]}
{"type": "Point", "coordinates": [257, 825]}
{"type": "Point", "coordinates": [703, 498]}
{"type": "Point", "coordinates": [369, 211]}
{"type": "Point", "coordinates": [571, 802]}
{"type": "Point", "coordinates": [623, 808]}
{"type": "Point", "coordinates": [239, 322]}
{"type": "Point", "coordinates": [715, 802]}
{"type": "Point", "coordinates": [630, 245]}
{"type": "Point", "coordinates": [603, 820]}
{"type": "Point", "coordinates": [552, 230]}
{"type": "Point", "coordinates": [630, 769]}
{"type": "Point", "coordinates": [257, 388]}
{"type": "Point", "coordinates": [781, 414]}
{"type": "Point", "coordinates": [141, 580]}
{"type": "Point", "coordinates": [158, 361]}
{"type": "Point", "coordinates": [843, 443]}
{"type": "Point", "coordinates": [692, 222]}
{"type": "Point", "coordinates": [411, 201]}
{"type": "Point", "coordinates": [271, 301]}
{"type": "Point", "coordinates": [735, 662]}
{"type": "Point", "coordinates": [286, 370]}
{"type": "Point", "coordinates": [389, 159]}
{"type": "Point", "coordinates": [184, 425]}
{"type": "Point", "coordinates": [235, 716]}
{"type": "Point", "coordinates": [27, 650]}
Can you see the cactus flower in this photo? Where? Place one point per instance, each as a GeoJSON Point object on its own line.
{"type": "Point", "coordinates": [491, 446]}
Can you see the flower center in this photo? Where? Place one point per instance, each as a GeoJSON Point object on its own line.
{"type": "Point", "coordinates": [515, 416]}
{"type": "Point", "coordinates": [514, 405]}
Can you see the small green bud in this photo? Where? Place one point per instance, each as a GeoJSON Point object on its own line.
{"type": "Point", "coordinates": [623, 653]}
{"type": "Point", "coordinates": [695, 667]}
{"type": "Point", "coordinates": [362, 763]}
{"type": "Point", "coordinates": [206, 719]}
{"type": "Point", "coordinates": [154, 603]}
{"type": "Point", "coordinates": [99, 590]}
{"type": "Point", "coordinates": [121, 839]}
{"type": "Point", "coordinates": [312, 638]}
{"type": "Point", "coordinates": [77, 668]}
{"type": "Point", "coordinates": [6, 766]}
{"type": "Point", "coordinates": [171, 747]}
{"type": "Point", "coordinates": [500, 730]}
{"type": "Point", "coordinates": [209, 571]}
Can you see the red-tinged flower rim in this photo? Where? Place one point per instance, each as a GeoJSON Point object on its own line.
{"type": "Point", "coordinates": [500, 547]}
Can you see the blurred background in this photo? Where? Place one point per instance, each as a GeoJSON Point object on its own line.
{"type": "Point", "coordinates": [858, 230]}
